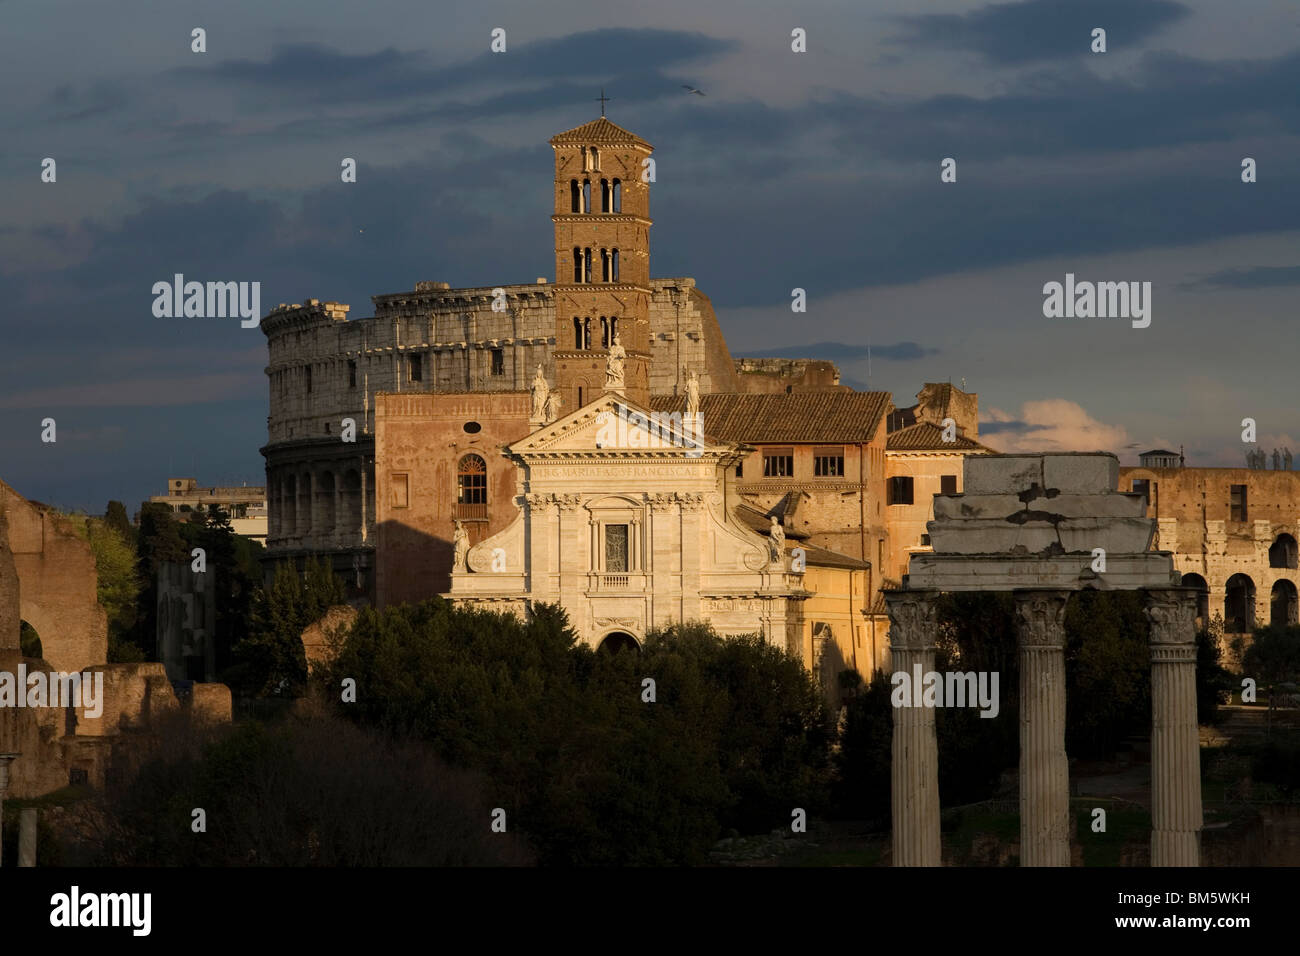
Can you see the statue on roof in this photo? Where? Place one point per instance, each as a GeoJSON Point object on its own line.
{"type": "Point", "coordinates": [693, 395]}
{"type": "Point", "coordinates": [1286, 459]}
{"type": "Point", "coordinates": [553, 402]}
{"type": "Point", "coordinates": [540, 392]}
{"type": "Point", "coordinates": [460, 546]}
{"type": "Point", "coordinates": [614, 365]}
{"type": "Point", "coordinates": [776, 543]}
{"type": "Point", "coordinates": [1277, 460]}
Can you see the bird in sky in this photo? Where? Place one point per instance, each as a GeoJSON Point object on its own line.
{"type": "Point", "coordinates": [691, 89]}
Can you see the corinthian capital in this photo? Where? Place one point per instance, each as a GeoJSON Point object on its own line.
{"type": "Point", "coordinates": [1172, 613]}
{"type": "Point", "coordinates": [911, 618]}
{"type": "Point", "coordinates": [1040, 618]}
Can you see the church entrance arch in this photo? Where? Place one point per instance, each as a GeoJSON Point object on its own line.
{"type": "Point", "coordinates": [616, 642]}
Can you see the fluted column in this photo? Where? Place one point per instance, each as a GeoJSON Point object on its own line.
{"type": "Point", "coordinates": [915, 765]}
{"type": "Point", "coordinates": [1175, 740]}
{"type": "Point", "coordinates": [1044, 771]}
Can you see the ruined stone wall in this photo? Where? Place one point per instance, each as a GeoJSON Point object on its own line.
{"type": "Point", "coordinates": [321, 490]}
{"type": "Point", "coordinates": [1192, 508]}
{"type": "Point", "coordinates": [778, 375]}
{"type": "Point", "coordinates": [56, 568]}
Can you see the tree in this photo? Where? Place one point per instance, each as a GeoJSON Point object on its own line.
{"type": "Point", "coordinates": [271, 661]}
{"type": "Point", "coordinates": [158, 542]}
{"type": "Point", "coordinates": [1273, 659]}
{"type": "Point", "coordinates": [119, 588]}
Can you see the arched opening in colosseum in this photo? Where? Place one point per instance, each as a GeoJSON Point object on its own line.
{"type": "Point", "coordinates": [351, 500]}
{"type": "Point", "coordinates": [30, 640]}
{"type": "Point", "coordinates": [1239, 605]}
{"type": "Point", "coordinates": [289, 506]}
{"type": "Point", "coordinates": [1284, 608]}
{"type": "Point", "coordinates": [1202, 597]}
{"type": "Point", "coordinates": [325, 501]}
{"type": "Point", "coordinates": [1283, 552]}
{"type": "Point", "coordinates": [304, 505]}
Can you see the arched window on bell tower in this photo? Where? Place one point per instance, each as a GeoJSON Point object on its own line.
{"type": "Point", "coordinates": [617, 191]}
{"type": "Point", "coordinates": [604, 265]}
{"type": "Point", "coordinates": [605, 197]}
{"type": "Point", "coordinates": [586, 195]}
{"type": "Point", "coordinates": [586, 332]}
{"type": "Point", "coordinates": [614, 266]}
{"type": "Point", "coordinates": [613, 327]}
{"type": "Point", "coordinates": [577, 332]}
{"type": "Point", "coordinates": [604, 332]}
{"type": "Point", "coordinates": [575, 197]}
{"type": "Point", "coordinates": [586, 264]}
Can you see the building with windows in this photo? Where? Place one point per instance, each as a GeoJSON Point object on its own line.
{"type": "Point", "coordinates": [453, 445]}
{"type": "Point", "coordinates": [245, 504]}
{"type": "Point", "coordinates": [1233, 533]}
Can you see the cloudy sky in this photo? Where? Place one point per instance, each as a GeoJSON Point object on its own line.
{"type": "Point", "coordinates": [817, 170]}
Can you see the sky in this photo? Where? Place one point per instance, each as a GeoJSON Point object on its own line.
{"type": "Point", "coordinates": [818, 170]}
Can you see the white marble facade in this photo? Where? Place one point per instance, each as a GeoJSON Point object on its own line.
{"type": "Point", "coordinates": [626, 520]}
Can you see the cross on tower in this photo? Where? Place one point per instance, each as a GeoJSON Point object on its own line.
{"type": "Point", "coordinates": [603, 99]}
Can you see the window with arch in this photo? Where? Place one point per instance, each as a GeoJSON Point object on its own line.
{"type": "Point", "coordinates": [586, 195]}
{"type": "Point", "coordinates": [586, 264]}
{"type": "Point", "coordinates": [617, 196]}
{"type": "Point", "coordinates": [586, 332]}
{"type": "Point", "coordinates": [577, 264]}
{"type": "Point", "coordinates": [575, 196]}
{"type": "Point", "coordinates": [604, 196]}
{"type": "Point", "coordinates": [594, 159]}
{"type": "Point", "coordinates": [577, 332]}
{"type": "Point", "coordinates": [613, 267]}
{"type": "Point", "coordinates": [471, 489]}
{"type": "Point", "coordinates": [604, 332]}
{"type": "Point", "coordinates": [604, 265]}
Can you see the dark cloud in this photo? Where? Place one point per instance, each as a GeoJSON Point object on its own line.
{"type": "Point", "coordinates": [1041, 30]}
{"type": "Point", "coordinates": [1010, 428]}
{"type": "Point", "coordinates": [318, 73]}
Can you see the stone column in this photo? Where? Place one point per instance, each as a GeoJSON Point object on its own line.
{"type": "Point", "coordinates": [1044, 771]}
{"type": "Point", "coordinates": [915, 764]}
{"type": "Point", "coordinates": [1175, 741]}
{"type": "Point", "coordinates": [27, 837]}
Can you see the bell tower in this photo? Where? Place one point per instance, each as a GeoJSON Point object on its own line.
{"type": "Point", "coordinates": [602, 261]}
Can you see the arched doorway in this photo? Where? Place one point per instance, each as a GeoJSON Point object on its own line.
{"type": "Point", "coordinates": [1283, 605]}
{"type": "Point", "coordinates": [30, 641]}
{"type": "Point", "coordinates": [1202, 598]}
{"type": "Point", "coordinates": [618, 642]}
{"type": "Point", "coordinates": [1282, 553]}
{"type": "Point", "coordinates": [1239, 605]}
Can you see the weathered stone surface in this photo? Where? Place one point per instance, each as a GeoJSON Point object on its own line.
{"type": "Point", "coordinates": [1066, 506]}
{"type": "Point", "coordinates": [1034, 533]}
{"type": "Point", "coordinates": [1000, 572]}
{"type": "Point", "coordinates": [1081, 473]}
{"type": "Point", "coordinates": [1002, 474]}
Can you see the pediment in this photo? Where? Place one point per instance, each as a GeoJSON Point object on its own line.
{"type": "Point", "coordinates": [612, 426]}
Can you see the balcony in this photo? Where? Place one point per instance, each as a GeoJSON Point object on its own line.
{"type": "Point", "coordinates": [472, 512]}
{"type": "Point", "coordinates": [614, 582]}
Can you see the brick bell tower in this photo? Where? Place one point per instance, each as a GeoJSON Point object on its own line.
{"type": "Point", "coordinates": [602, 260]}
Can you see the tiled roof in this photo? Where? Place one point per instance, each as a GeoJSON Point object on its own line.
{"type": "Point", "coordinates": [927, 436]}
{"type": "Point", "coordinates": [598, 131]}
{"type": "Point", "coordinates": [794, 417]}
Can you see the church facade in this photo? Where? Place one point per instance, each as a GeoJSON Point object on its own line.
{"type": "Point", "coordinates": [588, 441]}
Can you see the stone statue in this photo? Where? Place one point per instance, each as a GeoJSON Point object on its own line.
{"type": "Point", "coordinates": [1277, 460]}
{"type": "Point", "coordinates": [777, 543]}
{"type": "Point", "coordinates": [541, 391]}
{"type": "Point", "coordinates": [1286, 459]}
{"type": "Point", "coordinates": [614, 365]}
{"type": "Point", "coordinates": [693, 395]}
{"type": "Point", "coordinates": [1261, 460]}
{"type": "Point", "coordinates": [553, 403]}
{"type": "Point", "coordinates": [461, 544]}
